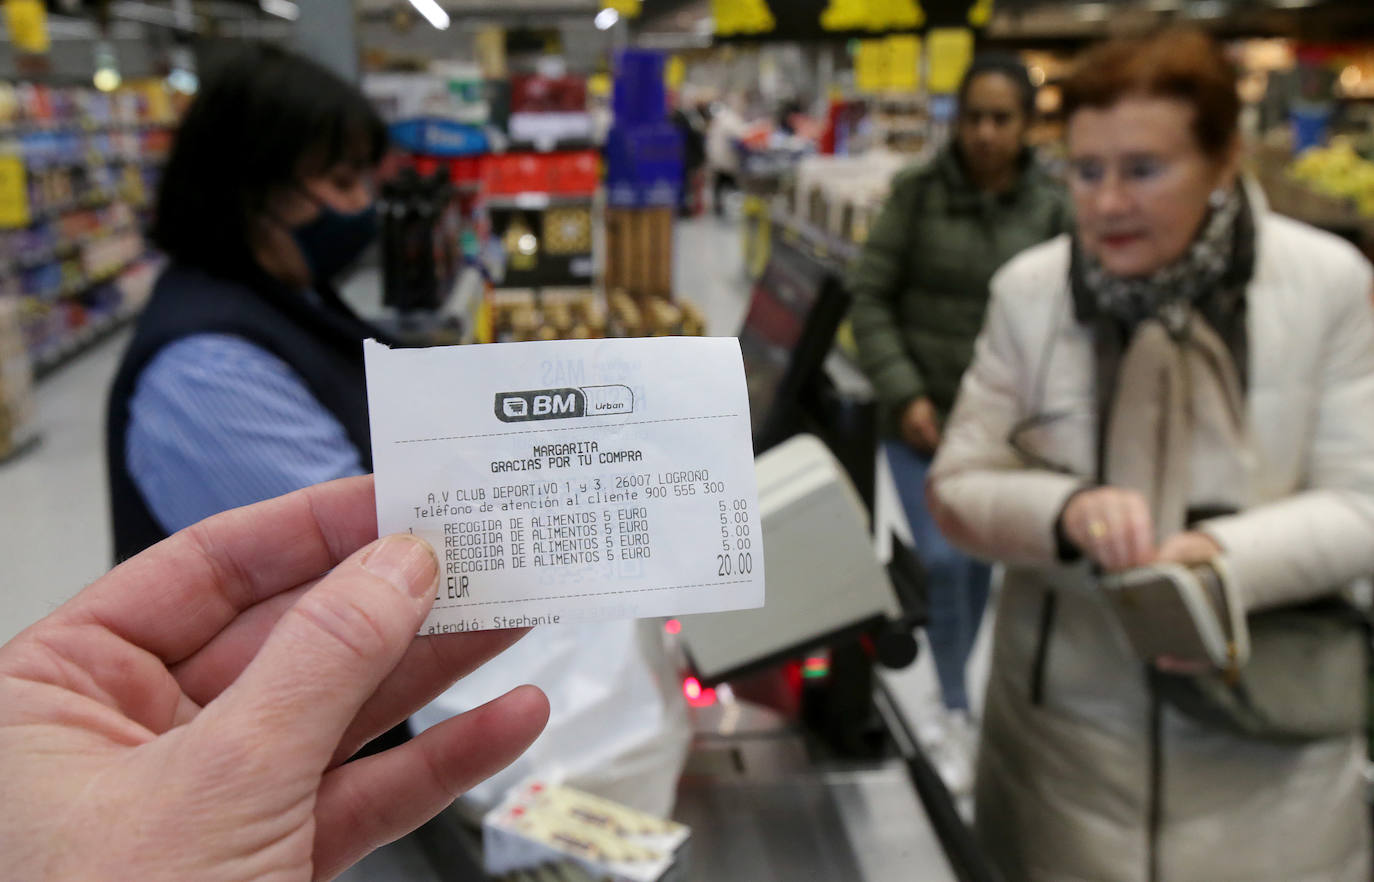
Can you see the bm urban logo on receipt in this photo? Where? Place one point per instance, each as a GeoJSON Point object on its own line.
{"type": "Point", "coordinates": [562, 404]}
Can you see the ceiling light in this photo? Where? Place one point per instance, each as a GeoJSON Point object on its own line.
{"type": "Point", "coordinates": [107, 79]}
{"type": "Point", "coordinates": [433, 13]}
{"type": "Point", "coordinates": [1294, 4]}
{"type": "Point", "coordinates": [280, 8]}
{"type": "Point", "coordinates": [606, 19]}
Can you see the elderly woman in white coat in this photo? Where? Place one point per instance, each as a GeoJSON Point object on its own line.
{"type": "Point", "coordinates": [1186, 378]}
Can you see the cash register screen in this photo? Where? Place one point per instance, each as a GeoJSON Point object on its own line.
{"type": "Point", "coordinates": [775, 328]}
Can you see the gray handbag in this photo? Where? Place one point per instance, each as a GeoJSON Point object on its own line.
{"type": "Point", "coordinates": [1307, 678]}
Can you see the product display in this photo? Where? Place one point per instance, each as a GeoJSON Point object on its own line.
{"type": "Point", "coordinates": [573, 314]}
{"type": "Point", "coordinates": [421, 235]}
{"type": "Point", "coordinates": [639, 250]}
{"type": "Point", "coordinates": [16, 383]}
{"type": "Point", "coordinates": [842, 195]}
{"type": "Point", "coordinates": [568, 231]}
{"type": "Point", "coordinates": [77, 170]}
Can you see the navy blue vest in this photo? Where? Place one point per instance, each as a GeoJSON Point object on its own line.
{"type": "Point", "coordinates": [321, 343]}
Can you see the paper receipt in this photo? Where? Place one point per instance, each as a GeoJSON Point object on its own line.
{"type": "Point", "coordinates": [570, 481]}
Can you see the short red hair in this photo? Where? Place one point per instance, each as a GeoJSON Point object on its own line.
{"type": "Point", "coordinates": [1180, 62]}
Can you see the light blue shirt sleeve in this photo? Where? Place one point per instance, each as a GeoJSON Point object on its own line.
{"type": "Point", "coordinates": [216, 422]}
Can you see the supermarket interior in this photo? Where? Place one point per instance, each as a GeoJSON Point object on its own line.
{"type": "Point", "coordinates": [207, 205]}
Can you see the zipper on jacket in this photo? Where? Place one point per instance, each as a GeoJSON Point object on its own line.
{"type": "Point", "coordinates": [1155, 802]}
{"type": "Point", "coordinates": [1049, 606]}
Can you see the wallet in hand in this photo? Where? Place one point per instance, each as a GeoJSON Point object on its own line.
{"type": "Point", "coordinates": [1185, 612]}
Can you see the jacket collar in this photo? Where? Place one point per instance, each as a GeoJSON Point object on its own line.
{"type": "Point", "coordinates": [963, 196]}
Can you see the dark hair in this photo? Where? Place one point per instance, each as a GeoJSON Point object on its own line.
{"type": "Point", "coordinates": [1179, 62]}
{"type": "Point", "coordinates": [1008, 66]}
{"type": "Point", "coordinates": [263, 119]}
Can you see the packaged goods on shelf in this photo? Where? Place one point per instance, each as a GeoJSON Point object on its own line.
{"type": "Point", "coordinates": [421, 240]}
{"type": "Point", "coordinates": [568, 230]}
{"type": "Point", "coordinates": [76, 166]}
{"type": "Point", "coordinates": [638, 95]}
{"type": "Point", "coordinates": [653, 316]}
{"type": "Point", "coordinates": [452, 91]}
{"type": "Point", "coordinates": [547, 110]}
{"type": "Point", "coordinates": [579, 314]}
{"type": "Point", "coordinates": [539, 824]}
{"type": "Point", "coordinates": [565, 173]}
{"type": "Point", "coordinates": [643, 165]}
{"type": "Point", "coordinates": [555, 314]}
{"type": "Point", "coordinates": [16, 382]}
{"type": "Point", "coordinates": [639, 250]}
{"type": "Point", "coordinates": [841, 195]}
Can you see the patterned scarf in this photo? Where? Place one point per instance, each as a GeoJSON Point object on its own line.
{"type": "Point", "coordinates": [1169, 293]}
{"type": "Point", "coordinates": [1210, 277]}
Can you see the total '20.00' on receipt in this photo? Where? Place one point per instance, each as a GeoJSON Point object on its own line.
{"type": "Point", "coordinates": [570, 481]}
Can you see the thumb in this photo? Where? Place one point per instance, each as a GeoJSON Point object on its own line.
{"type": "Point", "coordinates": [331, 650]}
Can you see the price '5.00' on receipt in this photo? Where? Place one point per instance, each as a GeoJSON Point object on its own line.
{"type": "Point", "coordinates": [570, 481]}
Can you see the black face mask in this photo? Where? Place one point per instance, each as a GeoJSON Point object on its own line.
{"type": "Point", "coordinates": [334, 239]}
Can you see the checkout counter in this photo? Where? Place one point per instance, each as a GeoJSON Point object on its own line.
{"type": "Point", "coordinates": [822, 779]}
{"type": "Point", "coordinates": [803, 764]}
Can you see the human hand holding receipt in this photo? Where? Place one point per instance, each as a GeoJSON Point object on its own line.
{"type": "Point", "coordinates": [570, 481]}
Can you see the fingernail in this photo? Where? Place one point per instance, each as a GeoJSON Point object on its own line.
{"type": "Point", "coordinates": [407, 562]}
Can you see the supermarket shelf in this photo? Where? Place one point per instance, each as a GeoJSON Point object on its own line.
{"type": "Point", "coordinates": [50, 360]}
{"type": "Point", "coordinates": [87, 285]}
{"type": "Point", "coordinates": [39, 164]}
{"type": "Point", "coordinates": [48, 214]}
{"type": "Point", "coordinates": [64, 250]}
{"type": "Point", "coordinates": [560, 145]}
{"type": "Point", "coordinates": [81, 128]}
{"type": "Point", "coordinates": [820, 244]}
{"type": "Point", "coordinates": [536, 201]}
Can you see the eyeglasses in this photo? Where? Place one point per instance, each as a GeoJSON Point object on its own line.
{"type": "Point", "coordinates": [1088, 172]}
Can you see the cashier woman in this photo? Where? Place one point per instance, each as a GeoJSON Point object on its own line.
{"type": "Point", "coordinates": [244, 381]}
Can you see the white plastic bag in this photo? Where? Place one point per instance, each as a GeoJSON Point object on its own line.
{"type": "Point", "coordinates": [618, 723]}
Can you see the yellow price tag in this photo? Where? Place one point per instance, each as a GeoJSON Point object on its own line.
{"type": "Point", "coordinates": [980, 13]}
{"type": "Point", "coordinates": [27, 21]}
{"type": "Point", "coordinates": [887, 15]}
{"type": "Point", "coordinates": [903, 62]}
{"type": "Point", "coordinates": [14, 193]}
{"type": "Point", "coordinates": [951, 51]}
{"type": "Point", "coordinates": [870, 66]}
{"type": "Point", "coordinates": [844, 15]}
{"type": "Point", "coordinates": [626, 8]}
{"type": "Point", "coordinates": [872, 15]}
{"type": "Point", "coordinates": [742, 17]}
{"type": "Point", "coordinates": [674, 72]}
